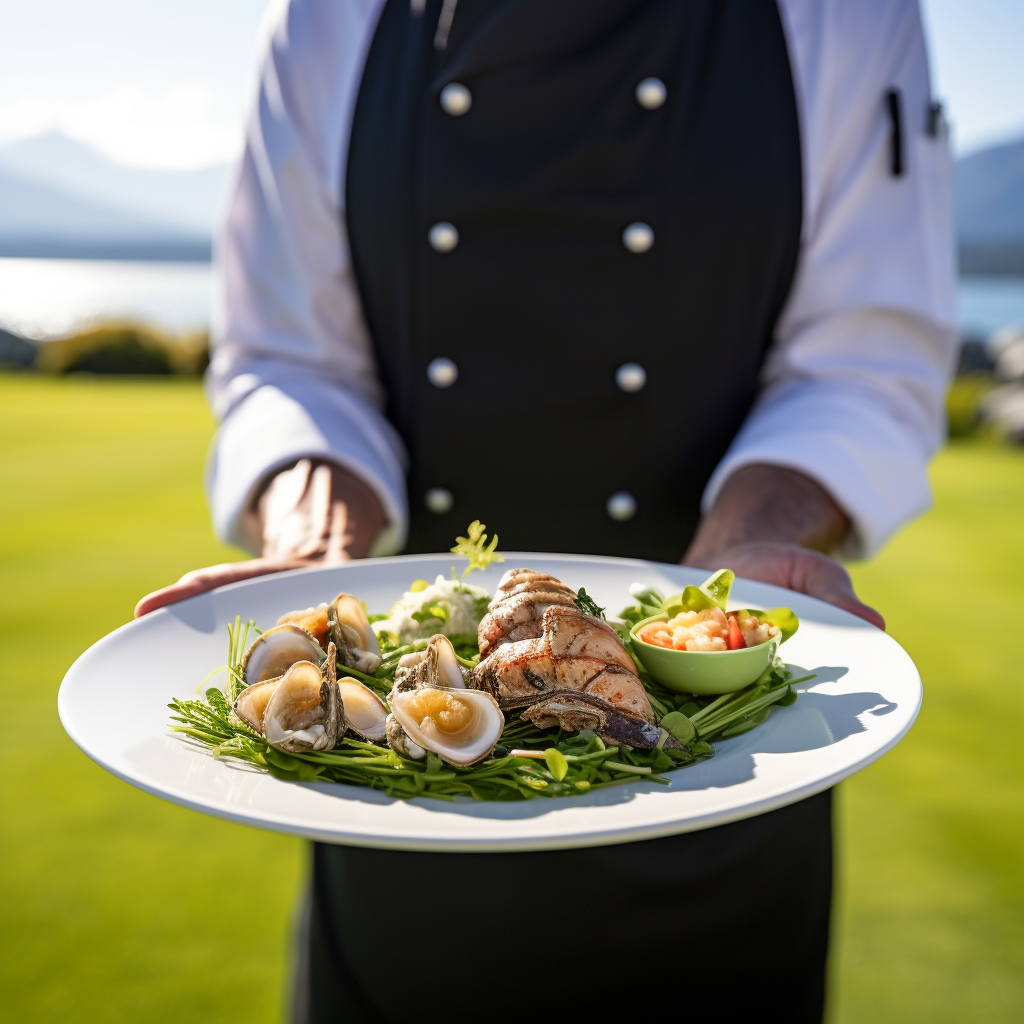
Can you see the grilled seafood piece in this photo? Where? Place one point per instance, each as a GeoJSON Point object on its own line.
{"type": "Point", "coordinates": [574, 710]}
{"type": "Point", "coordinates": [518, 608]}
{"type": "Point", "coordinates": [461, 726]}
{"type": "Point", "coordinates": [575, 651]}
{"type": "Point", "coordinates": [297, 711]}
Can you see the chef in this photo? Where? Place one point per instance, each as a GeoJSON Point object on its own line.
{"type": "Point", "coordinates": [651, 278]}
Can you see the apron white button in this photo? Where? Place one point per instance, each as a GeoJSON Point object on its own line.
{"type": "Point", "coordinates": [442, 372]}
{"type": "Point", "coordinates": [630, 377]}
{"type": "Point", "coordinates": [621, 506]}
{"type": "Point", "coordinates": [638, 237]}
{"type": "Point", "coordinates": [651, 93]}
{"type": "Point", "coordinates": [444, 237]}
{"type": "Point", "coordinates": [439, 500]}
{"type": "Point", "coordinates": [456, 99]}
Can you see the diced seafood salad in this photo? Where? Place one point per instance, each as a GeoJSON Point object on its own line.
{"type": "Point", "coordinates": [710, 629]}
{"type": "Point", "coordinates": [458, 693]}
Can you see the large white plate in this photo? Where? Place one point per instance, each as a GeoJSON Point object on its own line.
{"type": "Point", "coordinates": [113, 703]}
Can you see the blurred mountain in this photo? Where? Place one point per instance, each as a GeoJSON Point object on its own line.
{"type": "Point", "coordinates": [188, 200]}
{"type": "Point", "coordinates": [38, 220]}
{"type": "Point", "coordinates": [59, 197]}
{"type": "Point", "coordinates": [989, 195]}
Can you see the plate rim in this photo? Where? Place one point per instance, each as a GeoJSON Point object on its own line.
{"type": "Point", "coordinates": [376, 837]}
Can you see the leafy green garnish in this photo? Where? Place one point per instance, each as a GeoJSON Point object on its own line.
{"type": "Point", "coordinates": [712, 593]}
{"type": "Point", "coordinates": [587, 604]}
{"type": "Point", "coordinates": [785, 619]}
{"type": "Point", "coordinates": [430, 612]}
{"type": "Point", "coordinates": [476, 549]}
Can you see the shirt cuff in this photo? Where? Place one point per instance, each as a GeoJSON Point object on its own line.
{"type": "Point", "coordinates": [868, 461]}
{"type": "Point", "coordinates": [276, 425]}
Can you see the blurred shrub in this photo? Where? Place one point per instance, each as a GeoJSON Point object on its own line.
{"type": "Point", "coordinates": [963, 402]}
{"type": "Point", "coordinates": [122, 348]}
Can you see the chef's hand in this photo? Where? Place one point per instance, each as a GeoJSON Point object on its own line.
{"type": "Point", "coordinates": [311, 514]}
{"type": "Point", "coordinates": [772, 524]}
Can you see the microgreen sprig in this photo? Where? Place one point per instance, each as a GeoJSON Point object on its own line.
{"type": "Point", "coordinates": [475, 548]}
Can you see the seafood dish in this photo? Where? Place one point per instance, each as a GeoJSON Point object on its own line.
{"type": "Point", "coordinates": [458, 693]}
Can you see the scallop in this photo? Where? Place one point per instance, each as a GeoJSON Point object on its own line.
{"type": "Point", "coordinates": [461, 726]}
{"type": "Point", "coordinates": [349, 628]}
{"type": "Point", "coordinates": [365, 713]}
{"type": "Point", "coordinates": [275, 651]}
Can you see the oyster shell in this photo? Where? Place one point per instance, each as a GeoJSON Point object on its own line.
{"type": "Point", "coordinates": [298, 710]}
{"type": "Point", "coordinates": [305, 711]}
{"type": "Point", "coordinates": [272, 653]}
{"type": "Point", "coordinates": [365, 713]}
{"type": "Point", "coordinates": [399, 741]}
{"type": "Point", "coordinates": [349, 628]}
{"type": "Point", "coordinates": [436, 665]}
{"type": "Point", "coordinates": [312, 620]}
{"type": "Point", "coordinates": [461, 726]}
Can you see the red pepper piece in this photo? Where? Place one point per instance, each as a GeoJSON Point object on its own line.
{"type": "Point", "coordinates": [736, 641]}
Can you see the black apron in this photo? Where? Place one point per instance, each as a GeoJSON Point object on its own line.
{"type": "Point", "coordinates": [540, 300]}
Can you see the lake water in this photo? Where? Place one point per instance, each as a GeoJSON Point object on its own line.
{"type": "Point", "coordinates": [44, 298]}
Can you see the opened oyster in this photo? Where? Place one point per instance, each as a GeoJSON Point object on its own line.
{"type": "Point", "coordinates": [299, 710]}
{"type": "Point", "coordinates": [365, 713]}
{"type": "Point", "coordinates": [436, 665]}
{"type": "Point", "coordinates": [349, 628]}
{"type": "Point", "coordinates": [461, 726]}
{"type": "Point", "coordinates": [275, 651]}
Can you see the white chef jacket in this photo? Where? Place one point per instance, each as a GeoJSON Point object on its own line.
{"type": "Point", "coordinates": [852, 388]}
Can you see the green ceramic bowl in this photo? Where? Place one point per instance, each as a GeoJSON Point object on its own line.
{"type": "Point", "coordinates": [703, 672]}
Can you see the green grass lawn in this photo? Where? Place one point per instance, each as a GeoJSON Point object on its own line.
{"type": "Point", "coordinates": [116, 906]}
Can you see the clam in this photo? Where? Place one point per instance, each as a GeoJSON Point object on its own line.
{"type": "Point", "coordinates": [275, 651]}
{"type": "Point", "coordinates": [460, 725]}
{"type": "Point", "coordinates": [437, 665]}
{"type": "Point", "coordinates": [365, 713]}
{"type": "Point", "coordinates": [298, 710]}
{"type": "Point", "coordinates": [349, 628]}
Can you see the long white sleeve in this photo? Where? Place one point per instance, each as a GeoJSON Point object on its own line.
{"type": "Point", "coordinates": [293, 373]}
{"type": "Point", "coordinates": [853, 387]}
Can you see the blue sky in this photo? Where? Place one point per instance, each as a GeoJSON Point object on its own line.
{"type": "Point", "coordinates": [165, 83]}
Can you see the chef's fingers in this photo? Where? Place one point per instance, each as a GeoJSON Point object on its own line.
{"type": "Point", "coordinates": [200, 580]}
{"type": "Point", "coordinates": [796, 568]}
{"type": "Point", "coordinates": [820, 576]}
